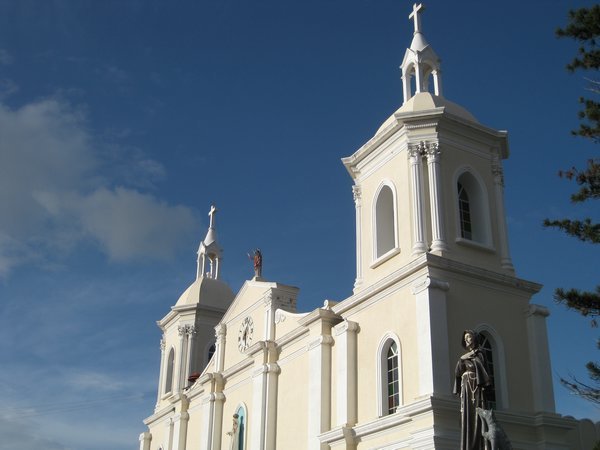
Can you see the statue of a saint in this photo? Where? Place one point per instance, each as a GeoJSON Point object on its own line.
{"type": "Point", "coordinates": [471, 380]}
{"type": "Point", "coordinates": [257, 262]}
{"type": "Point", "coordinates": [235, 434]}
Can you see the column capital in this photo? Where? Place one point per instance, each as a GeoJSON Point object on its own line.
{"type": "Point", "coordinates": [497, 171]}
{"type": "Point", "coordinates": [186, 329]}
{"type": "Point", "coordinates": [432, 150]}
{"type": "Point", "coordinates": [356, 194]}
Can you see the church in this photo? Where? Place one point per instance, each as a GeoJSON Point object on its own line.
{"type": "Point", "coordinates": [249, 371]}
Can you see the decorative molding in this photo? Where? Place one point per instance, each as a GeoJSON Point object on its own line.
{"type": "Point", "coordinates": [430, 283]}
{"type": "Point", "coordinates": [538, 310]}
{"type": "Point", "coordinates": [186, 329]}
{"type": "Point", "coordinates": [432, 150]}
{"type": "Point", "coordinates": [328, 304]}
{"type": "Point", "coordinates": [280, 316]}
{"type": "Point", "coordinates": [497, 171]}
{"type": "Point", "coordinates": [414, 151]}
{"type": "Point", "coordinates": [346, 326]}
{"type": "Point", "coordinates": [266, 369]}
{"type": "Point", "coordinates": [324, 339]}
{"type": "Point", "coordinates": [220, 330]}
{"type": "Point", "coordinates": [163, 344]}
{"type": "Point", "coordinates": [356, 194]}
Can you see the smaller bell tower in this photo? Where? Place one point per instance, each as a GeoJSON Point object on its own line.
{"type": "Point", "coordinates": [188, 340]}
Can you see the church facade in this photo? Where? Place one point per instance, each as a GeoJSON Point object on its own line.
{"type": "Point", "coordinates": [247, 371]}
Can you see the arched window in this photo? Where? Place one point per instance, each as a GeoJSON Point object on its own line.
{"type": "Point", "coordinates": [241, 412]}
{"type": "Point", "coordinates": [393, 391]}
{"type": "Point", "coordinates": [486, 347]}
{"type": "Point", "coordinates": [493, 350]}
{"type": "Point", "coordinates": [385, 222]}
{"type": "Point", "coordinates": [211, 351]}
{"type": "Point", "coordinates": [170, 367]}
{"type": "Point", "coordinates": [237, 435]}
{"type": "Point", "coordinates": [390, 372]}
{"type": "Point", "coordinates": [464, 211]}
{"type": "Point", "coordinates": [473, 221]}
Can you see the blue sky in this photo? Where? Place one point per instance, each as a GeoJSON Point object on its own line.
{"type": "Point", "coordinates": [122, 121]}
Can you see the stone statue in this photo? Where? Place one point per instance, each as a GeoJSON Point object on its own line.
{"type": "Point", "coordinates": [257, 261]}
{"type": "Point", "coordinates": [471, 380]}
{"type": "Point", "coordinates": [235, 434]}
{"type": "Point", "coordinates": [495, 435]}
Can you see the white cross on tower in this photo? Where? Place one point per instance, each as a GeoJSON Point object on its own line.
{"type": "Point", "coordinates": [415, 15]}
{"type": "Point", "coordinates": [211, 214]}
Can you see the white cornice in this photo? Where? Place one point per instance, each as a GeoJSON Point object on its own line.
{"type": "Point", "coordinates": [159, 415]}
{"type": "Point", "coordinates": [429, 260]}
{"type": "Point", "coordinates": [434, 118]}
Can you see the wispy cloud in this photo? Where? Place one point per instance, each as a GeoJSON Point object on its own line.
{"type": "Point", "coordinates": [56, 190]}
{"type": "Point", "coordinates": [5, 57]}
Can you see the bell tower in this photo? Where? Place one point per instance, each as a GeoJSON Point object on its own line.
{"type": "Point", "coordinates": [430, 179]}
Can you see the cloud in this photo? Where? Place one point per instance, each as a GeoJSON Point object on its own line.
{"type": "Point", "coordinates": [21, 435]}
{"type": "Point", "coordinates": [5, 57]}
{"type": "Point", "coordinates": [58, 188]}
{"type": "Point", "coordinates": [128, 224]}
{"type": "Point", "coordinates": [7, 87]}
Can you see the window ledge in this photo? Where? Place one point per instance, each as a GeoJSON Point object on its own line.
{"type": "Point", "coordinates": [475, 244]}
{"type": "Point", "coordinates": [385, 257]}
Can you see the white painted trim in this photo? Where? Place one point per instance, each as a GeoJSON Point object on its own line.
{"type": "Point", "coordinates": [385, 257]}
{"type": "Point", "coordinates": [243, 406]}
{"type": "Point", "coordinates": [500, 379]}
{"type": "Point", "coordinates": [381, 364]}
{"type": "Point", "coordinates": [484, 213]}
{"type": "Point", "coordinates": [389, 184]}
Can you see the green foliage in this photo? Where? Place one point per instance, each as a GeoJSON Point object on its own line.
{"type": "Point", "coordinates": [584, 27]}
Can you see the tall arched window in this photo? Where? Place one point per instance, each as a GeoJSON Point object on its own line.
{"type": "Point", "coordinates": [393, 390]}
{"type": "Point", "coordinates": [493, 349]}
{"type": "Point", "coordinates": [211, 351]}
{"type": "Point", "coordinates": [170, 367]}
{"type": "Point", "coordinates": [464, 211]}
{"type": "Point", "coordinates": [389, 384]}
{"type": "Point", "coordinates": [486, 346]}
{"type": "Point", "coordinates": [473, 220]}
{"type": "Point", "coordinates": [385, 222]}
{"type": "Point", "coordinates": [241, 412]}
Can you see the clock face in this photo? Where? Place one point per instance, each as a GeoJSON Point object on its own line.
{"type": "Point", "coordinates": [245, 334]}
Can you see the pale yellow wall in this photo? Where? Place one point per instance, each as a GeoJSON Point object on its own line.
{"type": "Point", "coordinates": [395, 313]}
{"type": "Point", "coordinates": [471, 305]}
{"type": "Point", "coordinates": [292, 403]}
{"type": "Point", "coordinates": [194, 432]}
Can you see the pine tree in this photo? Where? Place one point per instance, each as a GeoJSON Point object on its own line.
{"type": "Point", "coordinates": [584, 27]}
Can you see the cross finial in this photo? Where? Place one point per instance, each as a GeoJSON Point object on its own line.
{"type": "Point", "coordinates": [211, 214]}
{"type": "Point", "coordinates": [415, 16]}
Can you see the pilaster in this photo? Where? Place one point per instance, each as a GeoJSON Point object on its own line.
{"type": "Point", "coordinates": [498, 174]}
{"type": "Point", "coordinates": [161, 372]}
{"type": "Point", "coordinates": [145, 440]}
{"type": "Point", "coordinates": [319, 389]}
{"type": "Point", "coordinates": [347, 370]}
{"type": "Point", "coordinates": [264, 402]}
{"type": "Point", "coordinates": [179, 359]}
{"type": "Point", "coordinates": [539, 356]}
{"type": "Point", "coordinates": [432, 335]}
{"type": "Point", "coordinates": [416, 182]}
{"type": "Point", "coordinates": [356, 192]}
{"type": "Point", "coordinates": [212, 408]}
{"type": "Point", "coordinates": [438, 243]}
{"type": "Point", "coordinates": [180, 423]}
